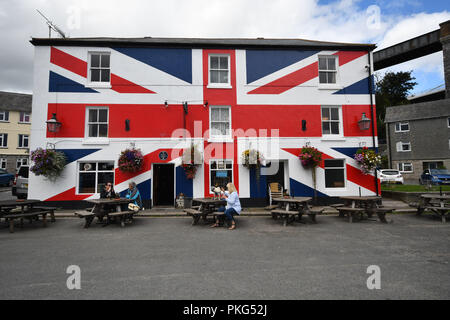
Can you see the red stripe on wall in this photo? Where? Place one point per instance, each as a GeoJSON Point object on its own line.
{"type": "Point", "coordinates": [122, 85]}
{"type": "Point", "coordinates": [289, 81]}
{"type": "Point", "coordinates": [347, 56]}
{"type": "Point", "coordinates": [356, 176]}
{"type": "Point", "coordinates": [351, 114]}
{"type": "Point", "coordinates": [69, 194]}
{"type": "Point", "coordinates": [68, 62]}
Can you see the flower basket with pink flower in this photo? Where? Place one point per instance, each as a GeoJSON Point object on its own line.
{"type": "Point", "coordinates": [131, 160]}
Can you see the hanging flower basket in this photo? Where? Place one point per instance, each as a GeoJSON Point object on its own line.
{"type": "Point", "coordinates": [310, 157]}
{"type": "Point", "coordinates": [48, 163]}
{"type": "Point", "coordinates": [190, 159]}
{"type": "Point", "coordinates": [367, 159]}
{"type": "Point", "coordinates": [252, 159]}
{"type": "Point", "coordinates": [131, 160]}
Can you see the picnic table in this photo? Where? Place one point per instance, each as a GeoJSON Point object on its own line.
{"type": "Point", "coordinates": [355, 206]}
{"type": "Point", "coordinates": [438, 204]}
{"type": "Point", "coordinates": [289, 208]}
{"type": "Point", "coordinates": [31, 212]}
{"type": "Point", "coordinates": [208, 206]}
{"type": "Point", "coordinates": [101, 210]}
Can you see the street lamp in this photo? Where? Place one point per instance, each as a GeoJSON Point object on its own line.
{"type": "Point", "coordinates": [364, 123]}
{"type": "Point", "coordinates": [53, 125]}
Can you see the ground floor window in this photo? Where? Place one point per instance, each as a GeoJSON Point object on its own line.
{"type": "Point", "coordinates": [405, 167]}
{"type": "Point", "coordinates": [3, 163]}
{"type": "Point", "coordinates": [433, 165]}
{"type": "Point", "coordinates": [334, 173]}
{"type": "Point", "coordinates": [21, 162]}
{"type": "Point", "coordinates": [221, 172]}
{"type": "Point", "coordinates": [92, 176]}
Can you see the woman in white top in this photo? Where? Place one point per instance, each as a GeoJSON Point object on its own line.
{"type": "Point", "coordinates": [233, 206]}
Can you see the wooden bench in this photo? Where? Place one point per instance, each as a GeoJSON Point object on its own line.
{"type": "Point", "coordinates": [381, 213]}
{"type": "Point", "coordinates": [287, 215]}
{"type": "Point", "coordinates": [337, 205]}
{"type": "Point", "coordinates": [89, 216]}
{"type": "Point", "coordinates": [218, 215]}
{"type": "Point", "coordinates": [441, 211]}
{"type": "Point", "coordinates": [51, 209]}
{"type": "Point", "coordinates": [350, 212]}
{"type": "Point", "coordinates": [271, 207]}
{"type": "Point", "coordinates": [21, 216]}
{"type": "Point", "coordinates": [122, 216]}
{"type": "Point", "coordinates": [196, 214]}
{"type": "Point", "coordinates": [313, 211]}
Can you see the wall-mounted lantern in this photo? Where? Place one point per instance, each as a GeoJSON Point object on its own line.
{"type": "Point", "coordinates": [53, 125]}
{"type": "Point", "coordinates": [364, 122]}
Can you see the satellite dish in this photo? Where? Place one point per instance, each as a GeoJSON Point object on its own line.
{"type": "Point", "coordinates": [52, 26]}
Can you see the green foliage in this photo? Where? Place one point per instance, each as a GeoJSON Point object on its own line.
{"type": "Point", "coordinates": [48, 163]}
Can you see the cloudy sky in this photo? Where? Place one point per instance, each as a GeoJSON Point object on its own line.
{"type": "Point", "coordinates": [382, 22]}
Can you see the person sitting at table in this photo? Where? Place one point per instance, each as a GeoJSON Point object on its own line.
{"type": "Point", "coordinates": [133, 194]}
{"type": "Point", "coordinates": [233, 206]}
{"type": "Point", "coordinates": [108, 192]}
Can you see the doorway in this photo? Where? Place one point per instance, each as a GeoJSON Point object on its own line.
{"type": "Point", "coordinates": [163, 184]}
{"type": "Point", "coordinates": [275, 176]}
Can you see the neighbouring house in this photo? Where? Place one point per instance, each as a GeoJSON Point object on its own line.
{"type": "Point", "coordinates": [418, 137]}
{"type": "Point", "coordinates": [15, 126]}
{"type": "Point", "coordinates": [222, 96]}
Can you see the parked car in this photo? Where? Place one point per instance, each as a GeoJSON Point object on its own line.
{"type": "Point", "coordinates": [435, 176]}
{"type": "Point", "coordinates": [5, 178]}
{"type": "Point", "coordinates": [390, 176]}
{"type": "Point", "coordinates": [20, 185]}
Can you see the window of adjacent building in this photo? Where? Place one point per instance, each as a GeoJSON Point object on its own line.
{"type": "Point", "coordinates": [448, 122]}
{"type": "Point", "coordinates": [220, 122]}
{"type": "Point", "coordinates": [3, 163]}
{"type": "Point", "coordinates": [219, 69]}
{"type": "Point", "coordinates": [99, 67]}
{"type": "Point", "coordinates": [405, 167]}
{"type": "Point", "coordinates": [432, 165]}
{"type": "Point", "coordinates": [92, 176]}
{"type": "Point", "coordinates": [4, 116]}
{"type": "Point", "coordinates": [403, 146]}
{"type": "Point", "coordinates": [220, 172]}
{"type": "Point", "coordinates": [25, 117]}
{"type": "Point", "coordinates": [97, 122]}
{"type": "Point", "coordinates": [331, 121]}
{"type": "Point", "coordinates": [21, 162]}
{"type": "Point", "coordinates": [3, 140]}
{"type": "Point", "coordinates": [23, 140]}
{"type": "Point", "coordinates": [327, 69]}
{"type": "Point", "coordinates": [401, 127]}
{"type": "Point", "coordinates": [334, 173]}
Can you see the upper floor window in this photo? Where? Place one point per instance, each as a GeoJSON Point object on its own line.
{"type": "Point", "coordinates": [23, 141]}
{"type": "Point", "coordinates": [334, 173]}
{"type": "Point", "coordinates": [25, 117]}
{"type": "Point", "coordinates": [99, 67]}
{"type": "Point", "coordinates": [331, 121]}
{"type": "Point", "coordinates": [219, 69]}
{"type": "Point", "coordinates": [3, 140]}
{"type": "Point", "coordinates": [97, 122]}
{"type": "Point", "coordinates": [403, 146]}
{"type": "Point", "coordinates": [220, 122]}
{"type": "Point", "coordinates": [4, 116]}
{"type": "Point", "coordinates": [402, 127]}
{"type": "Point", "coordinates": [327, 69]}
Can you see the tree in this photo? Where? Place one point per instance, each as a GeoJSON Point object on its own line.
{"type": "Point", "coordinates": [391, 90]}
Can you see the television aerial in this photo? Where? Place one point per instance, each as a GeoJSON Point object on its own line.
{"type": "Point", "coordinates": [52, 26]}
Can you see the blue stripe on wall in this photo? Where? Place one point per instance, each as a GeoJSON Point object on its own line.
{"type": "Point", "coordinates": [58, 83]}
{"type": "Point", "coordinates": [184, 185]}
{"type": "Point", "coordinates": [360, 87]}
{"type": "Point", "coordinates": [299, 189]}
{"type": "Point", "coordinates": [258, 189]}
{"type": "Point", "coordinates": [174, 61]}
{"type": "Point", "coordinates": [261, 63]}
{"type": "Point", "coordinates": [350, 152]}
{"type": "Point", "coordinates": [75, 154]}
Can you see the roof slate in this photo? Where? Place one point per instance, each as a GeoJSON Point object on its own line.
{"type": "Point", "coordinates": [418, 111]}
{"type": "Point", "coordinates": [11, 101]}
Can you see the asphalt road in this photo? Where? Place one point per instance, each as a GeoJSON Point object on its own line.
{"type": "Point", "coordinates": [5, 194]}
{"type": "Point", "coordinates": [167, 258]}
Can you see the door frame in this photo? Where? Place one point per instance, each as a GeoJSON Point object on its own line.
{"type": "Point", "coordinates": [174, 180]}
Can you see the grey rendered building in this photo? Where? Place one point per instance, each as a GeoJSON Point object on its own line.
{"type": "Point", "coordinates": [418, 137]}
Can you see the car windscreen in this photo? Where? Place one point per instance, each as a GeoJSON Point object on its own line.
{"type": "Point", "coordinates": [440, 171]}
{"type": "Point", "coordinates": [390, 172]}
{"type": "Point", "coordinates": [23, 172]}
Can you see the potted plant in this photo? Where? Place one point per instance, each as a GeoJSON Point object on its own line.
{"type": "Point", "coordinates": [252, 159]}
{"type": "Point", "coordinates": [311, 157]}
{"type": "Point", "coordinates": [190, 159]}
{"type": "Point", "coordinates": [48, 163]}
{"type": "Point", "coordinates": [131, 160]}
{"type": "Point", "coordinates": [367, 159]}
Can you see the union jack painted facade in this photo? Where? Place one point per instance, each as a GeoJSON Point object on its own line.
{"type": "Point", "coordinates": [272, 94]}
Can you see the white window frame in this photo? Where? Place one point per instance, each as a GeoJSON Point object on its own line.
{"type": "Point", "coordinates": [25, 115]}
{"type": "Point", "coordinates": [210, 171]}
{"type": "Point", "coordinates": [331, 168]}
{"type": "Point", "coordinates": [401, 167]}
{"type": "Point", "coordinates": [220, 138]}
{"type": "Point", "coordinates": [98, 84]}
{"type": "Point", "coordinates": [398, 126]}
{"type": "Point", "coordinates": [3, 163]}
{"type": "Point", "coordinates": [21, 140]}
{"type": "Point", "coordinates": [448, 122]}
{"type": "Point", "coordinates": [328, 85]}
{"type": "Point", "coordinates": [86, 125]}
{"type": "Point", "coordinates": [96, 174]}
{"type": "Point", "coordinates": [400, 145]}
{"type": "Point", "coordinates": [3, 140]}
{"type": "Point", "coordinates": [341, 127]}
{"type": "Point", "coordinates": [20, 162]}
{"type": "Point", "coordinates": [4, 114]}
{"type": "Point", "coordinates": [219, 85]}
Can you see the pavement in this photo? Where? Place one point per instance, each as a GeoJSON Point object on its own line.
{"type": "Point", "coordinates": [168, 258]}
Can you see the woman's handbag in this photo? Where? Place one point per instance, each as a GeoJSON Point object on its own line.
{"type": "Point", "coordinates": [133, 207]}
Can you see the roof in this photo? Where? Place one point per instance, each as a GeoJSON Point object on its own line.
{"type": "Point", "coordinates": [11, 101]}
{"type": "Point", "coordinates": [419, 111]}
{"type": "Point", "coordinates": [201, 43]}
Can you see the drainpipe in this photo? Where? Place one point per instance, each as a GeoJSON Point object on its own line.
{"type": "Point", "coordinates": [372, 115]}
